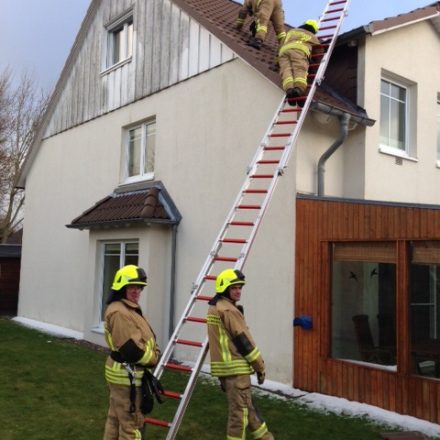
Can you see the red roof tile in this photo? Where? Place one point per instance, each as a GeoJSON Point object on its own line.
{"type": "Point", "coordinates": [134, 207]}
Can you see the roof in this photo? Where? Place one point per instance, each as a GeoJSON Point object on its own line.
{"type": "Point", "coordinates": [219, 18]}
{"type": "Point", "coordinates": [134, 205]}
{"type": "Point", "coordinates": [429, 12]}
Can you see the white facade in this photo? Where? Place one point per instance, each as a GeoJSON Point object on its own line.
{"type": "Point", "coordinates": [209, 120]}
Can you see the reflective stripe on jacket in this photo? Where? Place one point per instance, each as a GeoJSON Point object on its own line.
{"type": "Point", "coordinates": [124, 321]}
{"type": "Point", "coordinates": [225, 322]}
{"type": "Point", "coordinates": [299, 39]}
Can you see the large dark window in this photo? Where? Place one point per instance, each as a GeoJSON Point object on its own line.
{"type": "Point", "coordinates": [363, 302]}
{"type": "Point", "coordinates": [424, 307]}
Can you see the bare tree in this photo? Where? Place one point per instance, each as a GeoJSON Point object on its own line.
{"type": "Point", "coordinates": [21, 111]}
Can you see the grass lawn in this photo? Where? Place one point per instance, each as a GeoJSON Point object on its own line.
{"type": "Point", "coordinates": [52, 389]}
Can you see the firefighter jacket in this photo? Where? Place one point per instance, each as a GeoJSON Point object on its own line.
{"type": "Point", "coordinates": [232, 349]}
{"type": "Point", "coordinates": [299, 39]}
{"type": "Point", "coordinates": [126, 327]}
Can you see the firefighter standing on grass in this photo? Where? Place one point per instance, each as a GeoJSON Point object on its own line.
{"type": "Point", "coordinates": [263, 11]}
{"type": "Point", "coordinates": [234, 357]}
{"type": "Point", "coordinates": [133, 349]}
{"type": "Point", "coordinates": [294, 57]}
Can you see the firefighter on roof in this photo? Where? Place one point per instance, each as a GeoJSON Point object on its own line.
{"type": "Point", "coordinates": [133, 350]}
{"type": "Point", "coordinates": [234, 357]}
{"type": "Point", "coordinates": [263, 12]}
{"type": "Point", "coordinates": [294, 57]}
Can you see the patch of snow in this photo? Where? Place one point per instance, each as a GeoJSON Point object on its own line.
{"type": "Point", "coordinates": [51, 329]}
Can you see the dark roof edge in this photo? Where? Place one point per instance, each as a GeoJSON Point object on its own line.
{"type": "Point", "coordinates": [331, 110]}
{"type": "Point", "coordinates": [304, 196]}
{"type": "Point", "coordinates": [118, 223]}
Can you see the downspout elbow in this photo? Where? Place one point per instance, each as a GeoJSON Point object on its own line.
{"type": "Point", "coordinates": [343, 133]}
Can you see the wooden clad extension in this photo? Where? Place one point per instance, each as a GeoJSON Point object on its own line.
{"type": "Point", "coordinates": [318, 223]}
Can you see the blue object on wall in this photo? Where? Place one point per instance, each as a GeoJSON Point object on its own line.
{"type": "Point", "coordinates": [306, 322]}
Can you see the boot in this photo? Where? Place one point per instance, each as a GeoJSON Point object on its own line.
{"type": "Point", "coordinates": [255, 42]}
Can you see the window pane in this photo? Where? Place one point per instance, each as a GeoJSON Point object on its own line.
{"type": "Point", "coordinates": [363, 305]}
{"type": "Point", "coordinates": [117, 46]}
{"type": "Point", "coordinates": [397, 125]}
{"type": "Point", "coordinates": [424, 308]}
{"type": "Point", "coordinates": [134, 151]}
{"type": "Point", "coordinates": [150, 146]}
{"type": "Point", "coordinates": [129, 39]}
{"type": "Point", "coordinates": [384, 120]}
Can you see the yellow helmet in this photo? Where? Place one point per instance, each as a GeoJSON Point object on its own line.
{"type": "Point", "coordinates": [313, 24]}
{"type": "Point", "coordinates": [227, 278]}
{"type": "Point", "coordinates": [129, 275]}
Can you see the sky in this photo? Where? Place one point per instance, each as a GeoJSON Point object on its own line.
{"type": "Point", "coordinates": [316, 401]}
{"type": "Point", "coordinates": [36, 35]}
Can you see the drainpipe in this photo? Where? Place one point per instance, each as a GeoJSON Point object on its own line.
{"type": "Point", "coordinates": [344, 120]}
{"type": "Point", "coordinates": [173, 280]}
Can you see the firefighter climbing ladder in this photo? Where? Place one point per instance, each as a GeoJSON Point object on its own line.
{"type": "Point", "coordinates": [233, 243]}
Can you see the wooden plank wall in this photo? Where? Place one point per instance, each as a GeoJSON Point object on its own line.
{"type": "Point", "coordinates": [169, 46]}
{"type": "Point", "coordinates": [319, 222]}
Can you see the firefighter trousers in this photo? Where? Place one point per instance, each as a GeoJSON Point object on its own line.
{"type": "Point", "coordinates": [121, 424]}
{"type": "Point", "coordinates": [294, 66]}
{"type": "Point", "coordinates": [270, 10]}
{"type": "Point", "coordinates": [242, 414]}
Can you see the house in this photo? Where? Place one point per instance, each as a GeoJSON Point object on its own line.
{"type": "Point", "coordinates": [157, 113]}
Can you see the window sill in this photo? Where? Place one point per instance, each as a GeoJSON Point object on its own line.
{"type": "Point", "coordinates": [371, 365]}
{"type": "Point", "coordinates": [137, 179]}
{"type": "Point", "coordinates": [396, 153]}
{"type": "Point", "coordinates": [116, 66]}
{"type": "Point", "coordinates": [98, 329]}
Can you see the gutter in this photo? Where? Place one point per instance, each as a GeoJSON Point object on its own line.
{"type": "Point", "coordinates": [172, 280]}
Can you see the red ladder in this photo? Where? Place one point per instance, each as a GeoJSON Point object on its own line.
{"type": "Point", "coordinates": [233, 243]}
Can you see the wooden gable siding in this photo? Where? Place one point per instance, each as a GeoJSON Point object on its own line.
{"type": "Point", "coordinates": [317, 223]}
{"type": "Point", "coordinates": [169, 46]}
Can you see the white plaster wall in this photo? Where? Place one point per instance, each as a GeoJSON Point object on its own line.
{"type": "Point", "coordinates": [208, 129]}
{"type": "Point", "coordinates": [411, 52]}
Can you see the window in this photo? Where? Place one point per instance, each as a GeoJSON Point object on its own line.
{"type": "Point", "coordinates": [424, 307]}
{"type": "Point", "coordinates": [438, 130]}
{"type": "Point", "coordinates": [120, 40]}
{"type": "Point", "coordinates": [114, 256]}
{"type": "Point", "coordinates": [363, 300]}
{"type": "Point", "coordinates": [393, 117]}
{"type": "Point", "coordinates": [140, 150]}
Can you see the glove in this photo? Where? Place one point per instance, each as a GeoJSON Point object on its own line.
{"type": "Point", "coordinates": [260, 377]}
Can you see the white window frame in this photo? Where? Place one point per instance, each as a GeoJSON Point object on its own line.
{"type": "Point", "coordinates": [100, 279]}
{"type": "Point", "coordinates": [145, 148]}
{"type": "Point", "coordinates": [438, 130]}
{"type": "Point", "coordinates": [125, 26]}
{"type": "Point", "coordinates": [409, 151]}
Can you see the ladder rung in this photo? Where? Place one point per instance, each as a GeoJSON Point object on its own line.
{"type": "Point", "coordinates": [268, 162]}
{"type": "Point", "coordinates": [230, 259]}
{"type": "Point", "coordinates": [238, 240]}
{"type": "Point", "coordinates": [327, 36]}
{"type": "Point", "coordinates": [210, 277]}
{"type": "Point", "coordinates": [324, 28]}
{"type": "Point", "coordinates": [338, 2]}
{"type": "Point", "coordinates": [248, 207]}
{"type": "Point", "coordinates": [203, 297]}
{"type": "Point", "coordinates": [195, 319]}
{"type": "Point", "coordinates": [157, 422]}
{"type": "Point", "coordinates": [278, 148]}
{"type": "Point", "coordinates": [286, 122]}
{"type": "Point", "coordinates": [178, 367]}
{"type": "Point", "coordinates": [187, 342]}
{"type": "Point", "coordinates": [261, 176]}
{"type": "Point", "coordinates": [334, 10]}
{"type": "Point", "coordinates": [255, 191]}
{"type": "Point", "coordinates": [238, 223]}
{"type": "Point", "coordinates": [279, 135]}
{"type": "Point", "coordinates": [336, 17]}
{"type": "Point", "coordinates": [172, 394]}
